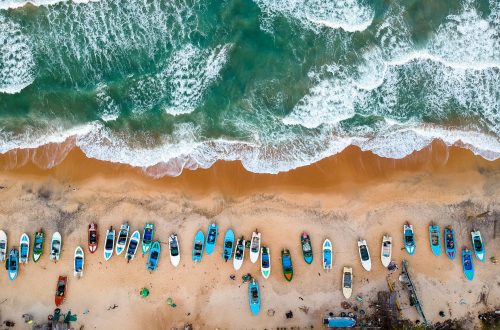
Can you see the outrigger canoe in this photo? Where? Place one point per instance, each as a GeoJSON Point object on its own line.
{"type": "Point", "coordinates": [435, 239]}
{"type": "Point", "coordinates": [38, 245]}
{"type": "Point", "coordinates": [265, 261]}
{"type": "Point", "coordinates": [239, 253]}
{"type": "Point", "coordinates": [254, 297]}
{"type": "Point", "coordinates": [147, 237]}
{"type": "Point", "coordinates": [477, 244]}
{"type": "Point", "coordinates": [55, 246]}
{"type": "Point", "coordinates": [121, 242]}
{"type": "Point", "coordinates": [154, 256]}
{"type": "Point", "coordinates": [409, 238]}
{"type": "Point", "coordinates": [449, 242]}
{"type": "Point", "coordinates": [62, 284]}
{"type": "Point", "coordinates": [213, 232]}
{"type": "Point", "coordinates": [93, 237]}
{"type": "Point", "coordinates": [78, 262]}
{"type": "Point", "coordinates": [133, 245]}
{"type": "Point", "coordinates": [175, 253]}
{"type": "Point", "coordinates": [199, 241]}
{"type": "Point", "coordinates": [327, 254]}
{"type": "Point", "coordinates": [386, 250]}
{"type": "Point", "coordinates": [364, 255]}
{"type": "Point", "coordinates": [286, 263]}
{"type": "Point", "coordinates": [3, 245]}
{"type": "Point", "coordinates": [109, 244]}
{"type": "Point", "coordinates": [12, 263]}
{"type": "Point", "coordinates": [255, 246]}
{"type": "Point", "coordinates": [307, 252]}
{"type": "Point", "coordinates": [24, 249]}
{"type": "Point", "coordinates": [228, 245]}
{"type": "Point", "coordinates": [347, 282]}
{"type": "Point", "coordinates": [467, 264]}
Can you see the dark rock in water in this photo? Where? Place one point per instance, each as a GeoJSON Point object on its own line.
{"type": "Point", "coordinates": [289, 315]}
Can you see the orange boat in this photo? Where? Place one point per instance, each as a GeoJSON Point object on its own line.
{"type": "Point", "coordinates": [62, 283]}
{"type": "Point", "coordinates": [93, 237]}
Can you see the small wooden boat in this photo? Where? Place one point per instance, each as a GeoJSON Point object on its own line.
{"type": "Point", "coordinates": [213, 232]}
{"type": "Point", "coordinates": [467, 264]}
{"type": "Point", "coordinates": [254, 297]}
{"type": "Point", "coordinates": [228, 245]}
{"type": "Point", "coordinates": [3, 245]}
{"type": "Point", "coordinates": [62, 284]}
{"type": "Point", "coordinates": [175, 253]}
{"type": "Point", "coordinates": [347, 282]}
{"type": "Point", "coordinates": [121, 242]}
{"type": "Point", "coordinates": [78, 262]}
{"type": "Point", "coordinates": [364, 255]}
{"type": "Point", "coordinates": [154, 256]}
{"type": "Point", "coordinates": [307, 251]}
{"type": "Point", "coordinates": [147, 237]}
{"type": "Point", "coordinates": [55, 246]}
{"type": "Point", "coordinates": [265, 261]}
{"type": "Point", "coordinates": [386, 250]}
{"type": "Point", "coordinates": [133, 245]}
{"type": "Point", "coordinates": [435, 239]}
{"type": "Point", "coordinates": [38, 245]}
{"type": "Point", "coordinates": [24, 249]}
{"type": "Point", "coordinates": [449, 242]}
{"type": "Point", "coordinates": [286, 263]}
{"type": "Point", "coordinates": [239, 253]}
{"type": "Point", "coordinates": [409, 238]}
{"type": "Point", "coordinates": [12, 263]}
{"type": "Point", "coordinates": [93, 237]}
{"type": "Point", "coordinates": [198, 244]}
{"type": "Point", "coordinates": [255, 246]}
{"type": "Point", "coordinates": [327, 254]}
{"type": "Point", "coordinates": [477, 244]}
{"type": "Point", "coordinates": [339, 322]}
{"type": "Point", "coordinates": [109, 243]}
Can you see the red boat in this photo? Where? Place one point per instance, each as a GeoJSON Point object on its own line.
{"type": "Point", "coordinates": [62, 283]}
{"type": "Point", "coordinates": [93, 237]}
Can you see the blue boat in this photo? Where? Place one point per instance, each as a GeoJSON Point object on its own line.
{"type": "Point", "coordinates": [12, 263]}
{"type": "Point", "coordinates": [449, 242]}
{"type": "Point", "coordinates": [435, 239]}
{"type": "Point", "coordinates": [199, 241]}
{"type": "Point", "coordinates": [228, 245]}
{"type": "Point", "coordinates": [213, 231]}
{"type": "Point", "coordinates": [335, 322]}
{"type": "Point", "coordinates": [477, 245]}
{"type": "Point", "coordinates": [467, 264]}
{"type": "Point", "coordinates": [154, 256]}
{"type": "Point", "coordinates": [409, 238]}
{"type": "Point", "coordinates": [254, 297]}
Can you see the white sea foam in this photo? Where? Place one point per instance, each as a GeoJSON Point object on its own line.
{"type": "Point", "coordinates": [109, 109]}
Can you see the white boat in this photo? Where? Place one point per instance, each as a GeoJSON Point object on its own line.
{"type": "Point", "coordinates": [347, 282]}
{"type": "Point", "coordinates": [109, 243]}
{"type": "Point", "coordinates": [121, 242]}
{"type": "Point", "coordinates": [386, 250]}
{"type": "Point", "coordinates": [78, 262]}
{"type": "Point", "coordinates": [55, 246]}
{"type": "Point", "coordinates": [265, 261]}
{"type": "Point", "coordinates": [132, 246]}
{"type": "Point", "coordinates": [239, 253]}
{"type": "Point", "coordinates": [364, 255]}
{"type": "Point", "coordinates": [478, 245]}
{"type": "Point", "coordinates": [175, 252]}
{"type": "Point", "coordinates": [24, 249]}
{"type": "Point", "coordinates": [327, 254]}
{"type": "Point", "coordinates": [3, 245]}
{"type": "Point", "coordinates": [255, 247]}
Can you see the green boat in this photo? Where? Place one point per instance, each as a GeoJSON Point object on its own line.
{"type": "Point", "coordinates": [286, 262]}
{"type": "Point", "coordinates": [38, 246]}
{"type": "Point", "coordinates": [147, 237]}
{"type": "Point", "coordinates": [305, 240]}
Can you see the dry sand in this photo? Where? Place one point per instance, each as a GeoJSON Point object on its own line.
{"type": "Point", "coordinates": [349, 196]}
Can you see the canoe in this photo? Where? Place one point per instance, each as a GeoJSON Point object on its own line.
{"type": "Point", "coordinates": [467, 264]}
{"type": "Point", "coordinates": [336, 322]}
{"type": "Point", "coordinates": [147, 237]}
{"type": "Point", "coordinates": [78, 262]}
{"type": "Point", "coordinates": [386, 250]}
{"type": "Point", "coordinates": [478, 246]}
{"type": "Point", "coordinates": [55, 246]}
{"type": "Point", "coordinates": [364, 255]}
{"type": "Point", "coordinates": [24, 249]}
{"type": "Point", "coordinates": [38, 245]}
{"type": "Point", "coordinates": [154, 256]}
{"type": "Point", "coordinates": [175, 252]}
{"type": "Point", "coordinates": [109, 243]}
{"type": "Point", "coordinates": [121, 242]}
{"type": "Point", "coordinates": [3, 245]}
{"type": "Point", "coordinates": [93, 237]}
{"type": "Point", "coordinates": [286, 264]}
{"type": "Point", "coordinates": [435, 239]}
{"type": "Point", "coordinates": [62, 284]}
{"type": "Point", "coordinates": [305, 241]}
{"type": "Point", "coordinates": [265, 261]}
{"type": "Point", "coordinates": [12, 264]}
{"type": "Point", "coordinates": [228, 245]}
{"type": "Point", "coordinates": [254, 297]}
{"type": "Point", "coordinates": [198, 243]}
{"type": "Point", "coordinates": [327, 254]}
{"type": "Point", "coordinates": [212, 233]}
{"type": "Point", "coordinates": [255, 246]}
{"type": "Point", "coordinates": [132, 246]}
{"type": "Point", "coordinates": [449, 242]}
{"type": "Point", "coordinates": [239, 253]}
{"type": "Point", "coordinates": [347, 282]}
{"type": "Point", "coordinates": [409, 238]}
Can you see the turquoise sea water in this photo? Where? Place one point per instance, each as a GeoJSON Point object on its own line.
{"type": "Point", "coordinates": [276, 84]}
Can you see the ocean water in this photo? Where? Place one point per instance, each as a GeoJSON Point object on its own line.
{"type": "Point", "coordinates": [275, 84]}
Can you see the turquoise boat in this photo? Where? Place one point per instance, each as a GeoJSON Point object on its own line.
{"type": "Point", "coordinates": [12, 264]}
{"type": "Point", "coordinates": [449, 242]}
{"type": "Point", "coordinates": [228, 245]}
{"type": "Point", "coordinates": [286, 263]}
{"type": "Point", "coordinates": [213, 231]}
{"type": "Point", "coordinates": [198, 243]}
{"type": "Point", "coordinates": [335, 322]}
{"type": "Point", "coordinates": [154, 256]}
{"type": "Point", "coordinates": [435, 239]}
{"type": "Point", "coordinates": [467, 264]}
{"type": "Point", "coordinates": [254, 297]}
{"type": "Point", "coordinates": [409, 238]}
{"type": "Point", "coordinates": [147, 237]}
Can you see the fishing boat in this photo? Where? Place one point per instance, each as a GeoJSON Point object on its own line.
{"type": "Point", "coordinates": [109, 243]}
{"type": "Point", "coordinates": [409, 238]}
{"type": "Point", "coordinates": [449, 242]}
{"type": "Point", "coordinates": [93, 237]}
{"type": "Point", "coordinates": [55, 246]}
{"type": "Point", "coordinates": [24, 249]}
{"type": "Point", "coordinates": [255, 246]}
{"type": "Point", "coordinates": [347, 282]}
{"type": "Point", "coordinates": [121, 242]}
{"type": "Point", "coordinates": [239, 253]}
{"type": "Point", "coordinates": [213, 232]}
{"type": "Point", "coordinates": [386, 250]}
{"type": "Point", "coordinates": [327, 254]}
{"type": "Point", "coordinates": [364, 255]}
{"type": "Point", "coordinates": [435, 239]}
{"type": "Point", "coordinates": [265, 261]}
{"type": "Point", "coordinates": [339, 322]}
{"type": "Point", "coordinates": [286, 263]}
{"type": "Point", "coordinates": [38, 245]}
{"type": "Point", "coordinates": [477, 244]}
{"type": "Point", "coordinates": [307, 251]}
{"type": "Point", "coordinates": [3, 245]}
{"type": "Point", "coordinates": [12, 264]}
{"type": "Point", "coordinates": [147, 237]}
{"type": "Point", "coordinates": [175, 253]}
{"type": "Point", "coordinates": [62, 283]}
{"type": "Point", "coordinates": [228, 245]}
{"type": "Point", "coordinates": [154, 256]}
{"type": "Point", "coordinates": [133, 244]}
{"type": "Point", "coordinates": [467, 264]}
{"type": "Point", "coordinates": [254, 297]}
{"type": "Point", "coordinates": [78, 262]}
{"type": "Point", "coordinates": [199, 241]}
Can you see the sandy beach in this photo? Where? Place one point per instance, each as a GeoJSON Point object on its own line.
{"type": "Point", "coordinates": [346, 197]}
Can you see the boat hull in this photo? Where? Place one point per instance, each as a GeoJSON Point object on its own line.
{"type": "Point", "coordinates": [255, 247]}
{"type": "Point", "coordinates": [212, 233]}
{"type": "Point", "coordinates": [239, 250]}
{"type": "Point", "coordinates": [154, 256]}
{"type": "Point", "coordinates": [435, 240]}
{"type": "Point", "coordinates": [200, 239]}
{"type": "Point", "coordinates": [265, 258]}
{"type": "Point", "coordinates": [386, 251]}
{"type": "Point", "coordinates": [466, 261]}
{"type": "Point", "coordinates": [449, 243]}
{"type": "Point", "coordinates": [228, 240]}
{"type": "Point", "coordinates": [254, 302]}
{"type": "Point", "coordinates": [133, 245]}
{"type": "Point", "coordinates": [327, 254]}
